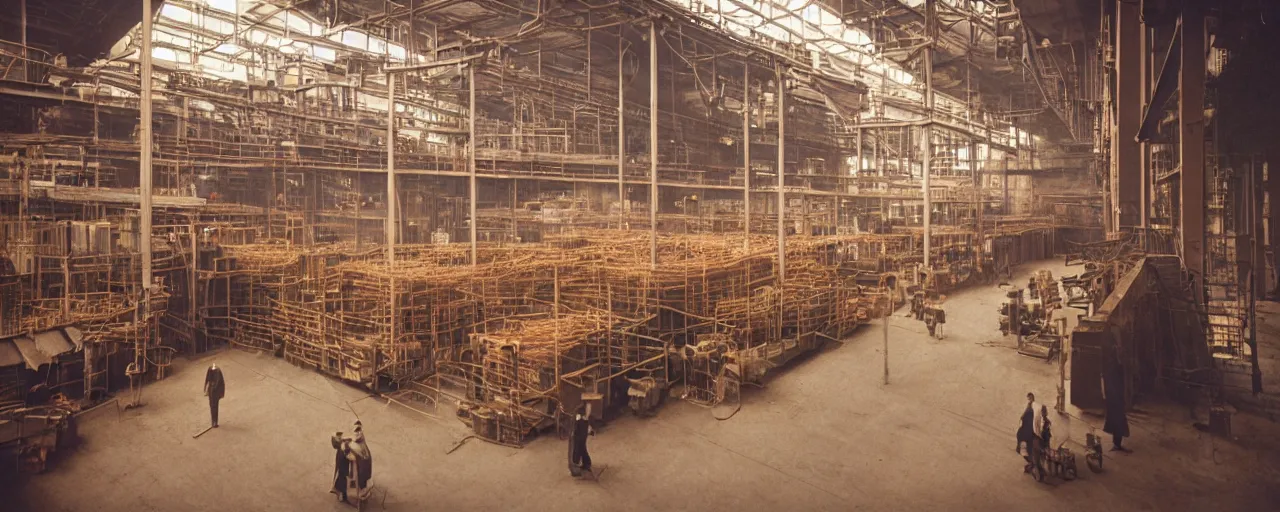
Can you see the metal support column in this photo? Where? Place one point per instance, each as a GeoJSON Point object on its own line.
{"type": "Point", "coordinates": [746, 156]}
{"type": "Point", "coordinates": [782, 194]}
{"type": "Point", "coordinates": [22, 15]}
{"type": "Point", "coordinates": [390, 225]}
{"type": "Point", "coordinates": [980, 202]}
{"type": "Point", "coordinates": [1191, 118]}
{"type": "Point", "coordinates": [622, 136]}
{"type": "Point", "coordinates": [1258, 228]}
{"type": "Point", "coordinates": [1258, 281]}
{"type": "Point", "coordinates": [926, 144]}
{"type": "Point", "coordinates": [1004, 182]}
{"type": "Point", "coordinates": [144, 156]}
{"type": "Point", "coordinates": [1126, 183]}
{"type": "Point", "coordinates": [857, 168]}
{"type": "Point", "coordinates": [926, 135]}
{"type": "Point", "coordinates": [1272, 213]}
{"type": "Point", "coordinates": [1146, 57]}
{"type": "Point", "coordinates": [471, 159]}
{"type": "Point", "coordinates": [653, 144]}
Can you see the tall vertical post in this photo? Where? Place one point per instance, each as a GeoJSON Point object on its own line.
{"type": "Point", "coordinates": [1145, 196]}
{"type": "Point", "coordinates": [979, 201]}
{"type": "Point", "coordinates": [390, 226]}
{"type": "Point", "coordinates": [1127, 181]}
{"type": "Point", "coordinates": [782, 172]}
{"type": "Point", "coordinates": [746, 156]}
{"type": "Point", "coordinates": [653, 144]}
{"type": "Point", "coordinates": [392, 200]}
{"type": "Point", "coordinates": [887, 314]}
{"type": "Point", "coordinates": [926, 135]}
{"type": "Point", "coordinates": [22, 15]}
{"type": "Point", "coordinates": [144, 156]}
{"type": "Point", "coordinates": [1258, 229]}
{"type": "Point", "coordinates": [926, 146]}
{"type": "Point", "coordinates": [857, 148]}
{"type": "Point", "coordinates": [927, 168]}
{"type": "Point", "coordinates": [1191, 117]}
{"type": "Point", "coordinates": [1257, 281]}
{"type": "Point", "coordinates": [194, 267]}
{"type": "Point", "coordinates": [1004, 182]}
{"type": "Point", "coordinates": [471, 159]}
{"type": "Point", "coordinates": [622, 136]}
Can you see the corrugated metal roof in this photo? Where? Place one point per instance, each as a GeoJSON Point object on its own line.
{"type": "Point", "coordinates": [32, 355]}
{"type": "Point", "coordinates": [41, 348]}
{"type": "Point", "coordinates": [53, 343]}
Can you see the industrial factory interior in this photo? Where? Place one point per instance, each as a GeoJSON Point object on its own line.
{"type": "Point", "coordinates": [639, 255]}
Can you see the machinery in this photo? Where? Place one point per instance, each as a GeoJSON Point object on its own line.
{"type": "Point", "coordinates": [1060, 462]}
{"type": "Point", "coordinates": [31, 434]}
{"type": "Point", "coordinates": [1093, 452]}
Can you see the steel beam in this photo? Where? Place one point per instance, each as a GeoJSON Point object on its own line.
{"type": "Point", "coordinates": [926, 134]}
{"type": "Point", "coordinates": [622, 136]}
{"type": "Point", "coordinates": [1126, 183]}
{"type": "Point", "coordinates": [1145, 198]}
{"type": "Point", "coordinates": [1273, 211]}
{"type": "Point", "coordinates": [1256, 227]}
{"type": "Point", "coordinates": [746, 156]}
{"type": "Point", "coordinates": [926, 147]}
{"type": "Point", "coordinates": [782, 182]}
{"type": "Point", "coordinates": [1004, 182]}
{"type": "Point", "coordinates": [1191, 119]}
{"type": "Point", "coordinates": [144, 156]}
{"type": "Point", "coordinates": [390, 225]}
{"type": "Point", "coordinates": [472, 188]}
{"type": "Point", "coordinates": [22, 16]}
{"type": "Point", "coordinates": [653, 145]}
{"type": "Point", "coordinates": [431, 65]}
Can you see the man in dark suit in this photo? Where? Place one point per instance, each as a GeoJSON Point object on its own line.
{"type": "Point", "coordinates": [1113, 393]}
{"type": "Point", "coordinates": [579, 459]}
{"type": "Point", "coordinates": [214, 388]}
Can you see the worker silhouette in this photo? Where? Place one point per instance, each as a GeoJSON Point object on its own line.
{"type": "Point", "coordinates": [214, 388]}
{"type": "Point", "coordinates": [579, 459]}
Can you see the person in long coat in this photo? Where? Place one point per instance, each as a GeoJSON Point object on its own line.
{"type": "Point", "coordinates": [214, 388]}
{"type": "Point", "coordinates": [341, 467]}
{"type": "Point", "coordinates": [1113, 393]}
{"type": "Point", "coordinates": [579, 459]}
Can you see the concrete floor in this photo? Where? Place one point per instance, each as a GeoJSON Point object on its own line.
{"type": "Point", "coordinates": [825, 434]}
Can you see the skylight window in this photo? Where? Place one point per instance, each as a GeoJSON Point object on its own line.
{"type": "Point", "coordinates": [397, 51]}
{"type": "Point", "coordinates": [217, 25]}
{"type": "Point", "coordinates": [324, 53]}
{"type": "Point", "coordinates": [222, 5]}
{"type": "Point", "coordinates": [177, 14]}
{"type": "Point", "coordinates": [301, 26]}
{"type": "Point", "coordinates": [228, 49]}
{"type": "Point", "coordinates": [355, 39]}
{"type": "Point", "coordinates": [170, 55]}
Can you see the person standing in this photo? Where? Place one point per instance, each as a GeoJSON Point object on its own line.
{"type": "Point", "coordinates": [1029, 432]}
{"type": "Point", "coordinates": [341, 467]}
{"type": "Point", "coordinates": [359, 450]}
{"type": "Point", "coordinates": [1113, 393]}
{"type": "Point", "coordinates": [214, 388]}
{"type": "Point", "coordinates": [1027, 428]}
{"type": "Point", "coordinates": [1046, 433]}
{"type": "Point", "coordinates": [579, 459]}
